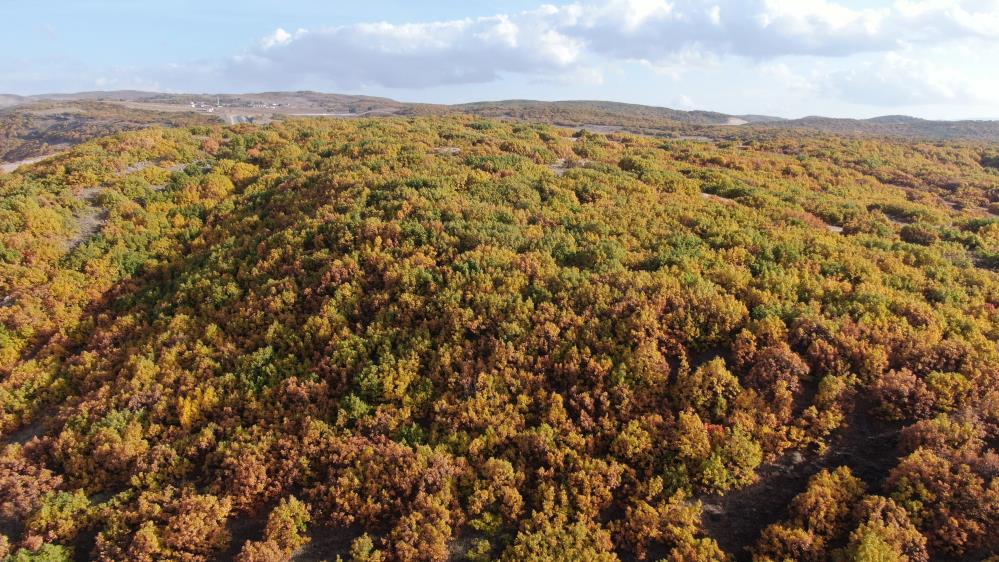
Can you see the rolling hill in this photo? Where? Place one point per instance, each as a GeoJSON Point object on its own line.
{"type": "Point", "coordinates": [456, 338]}
{"type": "Point", "coordinates": [596, 116]}
{"type": "Point", "coordinates": [31, 130]}
{"type": "Point", "coordinates": [899, 126]}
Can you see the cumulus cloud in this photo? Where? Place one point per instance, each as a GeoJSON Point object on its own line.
{"type": "Point", "coordinates": [413, 55]}
{"type": "Point", "coordinates": [566, 39]}
{"type": "Point", "coordinates": [651, 29]}
{"type": "Point", "coordinates": [754, 28]}
{"type": "Point", "coordinates": [276, 39]}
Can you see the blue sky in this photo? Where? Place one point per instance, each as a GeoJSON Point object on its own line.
{"type": "Point", "coordinates": [931, 58]}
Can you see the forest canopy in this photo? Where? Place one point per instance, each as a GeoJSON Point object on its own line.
{"type": "Point", "coordinates": [450, 338]}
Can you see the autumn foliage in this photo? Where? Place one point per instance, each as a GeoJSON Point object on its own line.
{"type": "Point", "coordinates": [448, 338]}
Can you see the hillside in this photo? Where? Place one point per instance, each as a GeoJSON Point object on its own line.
{"type": "Point", "coordinates": [301, 99]}
{"type": "Point", "coordinates": [35, 126]}
{"type": "Point", "coordinates": [596, 116]}
{"type": "Point", "coordinates": [898, 126]}
{"type": "Point", "coordinates": [610, 117]}
{"type": "Point", "coordinates": [600, 111]}
{"type": "Point", "coordinates": [462, 339]}
{"type": "Point", "coordinates": [37, 129]}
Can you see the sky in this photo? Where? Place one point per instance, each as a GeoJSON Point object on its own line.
{"type": "Point", "coordinates": [843, 58]}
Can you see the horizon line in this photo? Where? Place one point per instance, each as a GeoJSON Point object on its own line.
{"type": "Point", "coordinates": [44, 95]}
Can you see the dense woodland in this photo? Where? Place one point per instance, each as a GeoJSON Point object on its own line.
{"type": "Point", "coordinates": [428, 339]}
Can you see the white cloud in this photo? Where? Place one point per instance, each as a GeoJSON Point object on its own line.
{"type": "Point", "coordinates": [773, 28]}
{"type": "Point", "coordinates": [654, 31]}
{"type": "Point", "coordinates": [279, 37]}
{"type": "Point", "coordinates": [670, 36]}
{"type": "Point", "coordinates": [744, 55]}
{"type": "Point", "coordinates": [412, 55]}
{"type": "Point", "coordinates": [714, 15]}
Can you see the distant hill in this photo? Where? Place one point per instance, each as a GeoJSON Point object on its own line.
{"type": "Point", "coordinates": [606, 109]}
{"type": "Point", "coordinates": [300, 99]}
{"type": "Point", "coordinates": [29, 130]}
{"type": "Point", "coordinates": [896, 126]}
{"type": "Point", "coordinates": [600, 116]}
{"type": "Point", "coordinates": [596, 116]}
{"type": "Point", "coordinates": [762, 118]}
{"type": "Point", "coordinates": [600, 110]}
{"type": "Point", "coordinates": [665, 121]}
{"type": "Point", "coordinates": [117, 95]}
